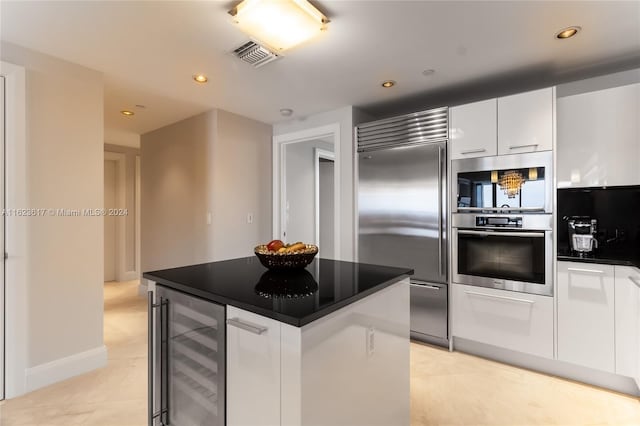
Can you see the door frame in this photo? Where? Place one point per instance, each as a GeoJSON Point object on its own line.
{"type": "Point", "coordinates": [330, 131]}
{"type": "Point", "coordinates": [119, 159]}
{"type": "Point", "coordinates": [16, 283]}
{"type": "Point", "coordinates": [319, 153]}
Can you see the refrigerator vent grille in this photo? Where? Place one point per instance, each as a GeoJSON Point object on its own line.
{"type": "Point", "coordinates": [255, 54]}
{"type": "Point", "coordinates": [411, 129]}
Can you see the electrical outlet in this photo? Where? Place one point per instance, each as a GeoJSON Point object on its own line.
{"type": "Point", "coordinates": [249, 218]}
{"type": "Point", "coordinates": [371, 341]}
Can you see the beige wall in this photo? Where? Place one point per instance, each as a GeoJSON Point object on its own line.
{"type": "Point", "coordinates": [215, 162]}
{"type": "Point", "coordinates": [64, 169]}
{"type": "Point", "coordinates": [130, 202]}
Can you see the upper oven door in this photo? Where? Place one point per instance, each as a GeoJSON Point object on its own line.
{"type": "Point", "coordinates": [507, 183]}
{"type": "Point", "coordinates": [515, 260]}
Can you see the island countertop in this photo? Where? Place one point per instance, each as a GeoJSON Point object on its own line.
{"type": "Point", "coordinates": [295, 297]}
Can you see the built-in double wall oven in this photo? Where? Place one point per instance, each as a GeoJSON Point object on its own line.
{"type": "Point", "coordinates": [502, 222]}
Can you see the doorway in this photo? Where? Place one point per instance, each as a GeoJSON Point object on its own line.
{"type": "Point", "coordinates": [110, 252]}
{"type": "Point", "coordinates": [2, 232]}
{"type": "Point", "coordinates": [324, 202]}
{"type": "Point", "coordinates": [298, 213]}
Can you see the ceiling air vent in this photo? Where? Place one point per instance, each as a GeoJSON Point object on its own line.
{"type": "Point", "coordinates": [255, 54]}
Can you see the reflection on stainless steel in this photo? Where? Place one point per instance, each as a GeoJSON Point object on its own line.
{"type": "Point", "coordinates": [402, 209]}
{"type": "Point", "coordinates": [476, 183]}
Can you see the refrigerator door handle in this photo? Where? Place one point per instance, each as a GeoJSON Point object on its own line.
{"type": "Point", "coordinates": [440, 211]}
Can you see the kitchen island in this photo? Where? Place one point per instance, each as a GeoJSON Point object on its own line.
{"type": "Point", "coordinates": [323, 345]}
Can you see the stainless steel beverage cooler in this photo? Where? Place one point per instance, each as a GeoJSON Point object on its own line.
{"type": "Point", "coordinates": [186, 360]}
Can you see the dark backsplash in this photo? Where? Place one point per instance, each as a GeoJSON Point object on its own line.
{"type": "Point", "coordinates": [617, 209]}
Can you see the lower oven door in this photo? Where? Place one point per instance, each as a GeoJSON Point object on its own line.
{"type": "Point", "coordinates": [510, 260]}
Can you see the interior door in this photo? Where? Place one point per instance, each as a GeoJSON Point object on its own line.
{"type": "Point", "coordinates": [109, 221]}
{"type": "Point", "coordinates": [401, 207]}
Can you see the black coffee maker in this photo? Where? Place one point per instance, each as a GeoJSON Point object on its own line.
{"type": "Point", "coordinates": [582, 234]}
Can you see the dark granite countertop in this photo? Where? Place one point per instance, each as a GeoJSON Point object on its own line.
{"type": "Point", "coordinates": [295, 297]}
{"type": "Point", "coordinates": [606, 258]}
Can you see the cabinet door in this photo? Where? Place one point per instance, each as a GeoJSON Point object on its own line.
{"type": "Point", "coordinates": [473, 130]}
{"type": "Point", "coordinates": [517, 321]}
{"type": "Point", "coordinates": [586, 315]}
{"type": "Point", "coordinates": [599, 138]}
{"type": "Point", "coordinates": [627, 332]}
{"type": "Point", "coordinates": [253, 369]}
{"type": "Point", "coordinates": [525, 122]}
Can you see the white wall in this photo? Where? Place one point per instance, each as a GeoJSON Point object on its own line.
{"type": "Point", "coordinates": [599, 83]}
{"type": "Point", "coordinates": [326, 209]}
{"type": "Point", "coordinates": [64, 169]}
{"type": "Point", "coordinates": [215, 162]}
{"type": "Point", "coordinates": [347, 117]}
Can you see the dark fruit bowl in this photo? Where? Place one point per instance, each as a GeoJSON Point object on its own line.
{"type": "Point", "coordinates": [282, 261]}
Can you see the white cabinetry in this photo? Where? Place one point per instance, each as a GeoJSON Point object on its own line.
{"type": "Point", "coordinates": [599, 138]}
{"type": "Point", "coordinates": [525, 122]}
{"type": "Point", "coordinates": [517, 321]}
{"type": "Point", "coordinates": [253, 369]}
{"type": "Point", "coordinates": [627, 321]}
{"type": "Point", "coordinates": [473, 130]}
{"type": "Point", "coordinates": [586, 314]}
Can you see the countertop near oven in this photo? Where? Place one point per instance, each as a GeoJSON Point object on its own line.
{"type": "Point", "coordinates": [295, 297]}
{"type": "Point", "coordinates": [603, 257]}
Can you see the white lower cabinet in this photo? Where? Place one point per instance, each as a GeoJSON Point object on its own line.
{"type": "Point", "coordinates": [627, 321]}
{"type": "Point", "coordinates": [517, 321]}
{"type": "Point", "coordinates": [253, 369]}
{"type": "Point", "coordinates": [586, 315]}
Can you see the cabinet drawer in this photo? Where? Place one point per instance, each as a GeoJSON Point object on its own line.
{"type": "Point", "coordinates": [253, 369]}
{"type": "Point", "coordinates": [586, 315]}
{"type": "Point", "coordinates": [517, 321]}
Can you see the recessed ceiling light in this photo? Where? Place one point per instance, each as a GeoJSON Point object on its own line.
{"type": "Point", "coordinates": [287, 112]}
{"type": "Point", "coordinates": [127, 112]}
{"type": "Point", "coordinates": [428, 72]}
{"type": "Point", "coordinates": [388, 83]}
{"type": "Point", "coordinates": [200, 78]}
{"type": "Point", "coordinates": [567, 32]}
{"type": "Point", "coordinates": [140, 106]}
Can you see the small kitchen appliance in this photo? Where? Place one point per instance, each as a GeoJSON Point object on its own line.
{"type": "Point", "coordinates": [582, 234]}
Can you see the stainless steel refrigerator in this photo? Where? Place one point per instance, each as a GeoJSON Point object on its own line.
{"type": "Point", "coordinates": [402, 209]}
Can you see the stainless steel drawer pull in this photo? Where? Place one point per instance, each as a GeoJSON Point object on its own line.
{"type": "Point", "coordinates": [588, 271]}
{"type": "Point", "coordinates": [252, 328]}
{"type": "Point", "coordinates": [523, 146]}
{"type": "Point", "coordinates": [492, 296]}
{"type": "Point", "coordinates": [427, 286]}
{"type": "Point", "coordinates": [503, 234]}
{"type": "Point", "coordinates": [634, 280]}
{"type": "Point", "coordinates": [473, 151]}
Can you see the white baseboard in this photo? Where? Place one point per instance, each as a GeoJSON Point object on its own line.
{"type": "Point", "coordinates": [143, 288]}
{"type": "Point", "coordinates": [130, 276]}
{"type": "Point", "coordinates": [64, 368]}
{"type": "Point", "coordinates": [549, 366]}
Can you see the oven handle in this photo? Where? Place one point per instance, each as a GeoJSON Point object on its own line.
{"type": "Point", "coordinates": [502, 233]}
{"type": "Point", "coordinates": [500, 209]}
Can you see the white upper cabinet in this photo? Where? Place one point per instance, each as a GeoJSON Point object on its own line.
{"type": "Point", "coordinates": [627, 321]}
{"type": "Point", "coordinates": [586, 315]}
{"type": "Point", "coordinates": [599, 138]}
{"type": "Point", "coordinates": [473, 130]}
{"type": "Point", "coordinates": [525, 122]}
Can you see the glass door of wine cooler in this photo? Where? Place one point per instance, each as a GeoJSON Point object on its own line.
{"type": "Point", "coordinates": [190, 360]}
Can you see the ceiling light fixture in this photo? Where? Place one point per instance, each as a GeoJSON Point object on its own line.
{"type": "Point", "coordinates": [388, 83]}
{"type": "Point", "coordinates": [127, 113]}
{"type": "Point", "coordinates": [286, 112]}
{"type": "Point", "coordinates": [281, 24]}
{"type": "Point", "coordinates": [200, 78]}
{"type": "Point", "coordinates": [567, 32]}
{"type": "Point", "coordinates": [428, 73]}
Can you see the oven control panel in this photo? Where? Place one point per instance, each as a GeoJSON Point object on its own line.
{"type": "Point", "coordinates": [499, 221]}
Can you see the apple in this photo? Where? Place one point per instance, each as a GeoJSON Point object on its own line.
{"type": "Point", "coordinates": [275, 245]}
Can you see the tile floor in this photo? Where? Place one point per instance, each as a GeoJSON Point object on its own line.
{"type": "Point", "coordinates": [446, 388]}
